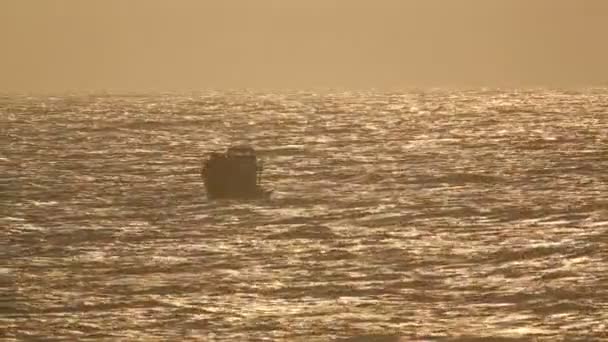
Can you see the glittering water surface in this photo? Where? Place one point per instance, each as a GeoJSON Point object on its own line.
{"type": "Point", "coordinates": [423, 215]}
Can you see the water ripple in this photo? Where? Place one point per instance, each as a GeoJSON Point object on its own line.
{"type": "Point", "coordinates": [423, 215]}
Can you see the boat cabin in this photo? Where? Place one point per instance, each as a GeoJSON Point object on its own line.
{"type": "Point", "coordinates": [235, 173]}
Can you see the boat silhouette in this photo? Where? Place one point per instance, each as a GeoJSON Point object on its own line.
{"type": "Point", "coordinates": [234, 174]}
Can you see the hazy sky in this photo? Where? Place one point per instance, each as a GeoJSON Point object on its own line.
{"type": "Point", "coordinates": [142, 45]}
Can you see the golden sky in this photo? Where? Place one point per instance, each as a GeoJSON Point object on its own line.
{"type": "Point", "coordinates": [158, 45]}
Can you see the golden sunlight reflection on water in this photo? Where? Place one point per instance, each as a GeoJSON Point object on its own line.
{"type": "Point", "coordinates": [421, 215]}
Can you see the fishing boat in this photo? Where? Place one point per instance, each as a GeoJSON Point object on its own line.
{"type": "Point", "coordinates": [234, 174]}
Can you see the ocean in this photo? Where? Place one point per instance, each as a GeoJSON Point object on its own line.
{"type": "Point", "coordinates": [422, 215]}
